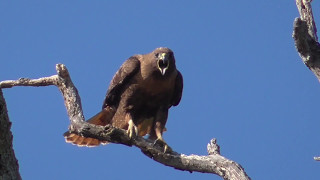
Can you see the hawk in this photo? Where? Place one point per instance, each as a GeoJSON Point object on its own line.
{"type": "Point", "coordinates": [139, 97]}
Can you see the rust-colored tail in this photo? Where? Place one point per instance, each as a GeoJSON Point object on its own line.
{"type": "Point", "coordinates": [102, 118]}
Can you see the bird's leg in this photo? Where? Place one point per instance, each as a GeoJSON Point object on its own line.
{"type": "Point", "coordinates": [132, 129]}
{"type": "Point", "coordinates": [158, 130]}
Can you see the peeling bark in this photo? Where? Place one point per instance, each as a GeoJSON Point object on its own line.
{"type": "Point", "coordinates": [213, 163]}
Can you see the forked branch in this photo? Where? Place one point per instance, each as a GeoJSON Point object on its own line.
{"type": "Point", "coordinates": [213, 163]}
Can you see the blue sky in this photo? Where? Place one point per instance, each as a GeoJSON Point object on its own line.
{"type": "Point", "coordinates": [244, 84]}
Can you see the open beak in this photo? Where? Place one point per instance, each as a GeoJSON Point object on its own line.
{"type": "Point", "coordinates": [163, 63]}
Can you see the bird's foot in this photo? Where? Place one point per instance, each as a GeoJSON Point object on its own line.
{"type": "Point", "coordinates": [162, 143]}
{"type": "Point", "coordinates": [132, 129]}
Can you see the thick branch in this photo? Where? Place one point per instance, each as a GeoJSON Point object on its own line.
{"type": "Point", "coordinates": [213, 163]}
{"type": "Point", "coordinates": [9, 167]}
{"type": "Point", "coordinates": [306, 40]}
{"type": "Point", "coordinates": [305, 37]}
{"type": "Point", "coordinates": [305, 11]}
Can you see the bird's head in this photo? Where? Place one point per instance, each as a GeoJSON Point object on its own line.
{"type": "Point", "coordinates": [164, 59]}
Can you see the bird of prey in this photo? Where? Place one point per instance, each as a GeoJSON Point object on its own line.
{"type": "Point", "coordinates": [139, 97]}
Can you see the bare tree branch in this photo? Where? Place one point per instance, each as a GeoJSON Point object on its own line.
{"type": "Point", "coordinates": [213, 163]}
{"type": "Point", "coordinates": [30, 82]}
{"type": "Point", "coordinates": [9, 167]}
{"type": "Point", "coordinates": [305, 11]}
{"type": "Point", "coordinates": [306, 40]}
{"type": "Point", "coordinates": [317, 158]}
{"type": "Point", "coordinates": [305, 37]}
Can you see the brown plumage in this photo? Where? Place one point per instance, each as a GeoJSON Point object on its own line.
{"type": "Point", "coordinates": [139, 97]}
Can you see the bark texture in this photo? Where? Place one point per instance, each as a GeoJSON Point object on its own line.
{"type": "Point", "coordinates": [306, 39]}
{"type": "Point", "coordinates": [9, 168]}
{"type": "Point", "coordinates": [213, 163]}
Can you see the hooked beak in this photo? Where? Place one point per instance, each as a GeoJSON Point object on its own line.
{"type": "Point", "coordinates": [163, 63]}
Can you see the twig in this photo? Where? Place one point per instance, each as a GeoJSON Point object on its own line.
{"type": "Point", "coordinates": [213, 163]}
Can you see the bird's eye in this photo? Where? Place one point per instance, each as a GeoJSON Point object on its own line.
{"type": "Point", "coordinates": [157, 55]}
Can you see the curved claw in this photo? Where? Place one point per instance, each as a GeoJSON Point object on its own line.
{"type": "Point", "coordinates": [132, 129]}
{"type": "Point", "coordinates": [166, 147]}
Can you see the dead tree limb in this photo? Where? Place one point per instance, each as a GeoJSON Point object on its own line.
{"type": "Point", "coordinates": [213, 163]}
{"type": "Point", "coordinates": [306, 39]}
{"type": "Point", "coordinates": [9, 167]}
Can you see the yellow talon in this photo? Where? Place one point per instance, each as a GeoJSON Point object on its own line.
{"type": "Point", "coordinates": [166, 148]}
{"type": "Point", "coordinates": [132, 129]}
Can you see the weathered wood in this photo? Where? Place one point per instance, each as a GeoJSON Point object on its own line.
{"type": "Point", "coordinates": [213, 163]}
{"type": "Point", "coordinates": [306, 39]}
{"type": "Point", "coordinates": [9, 167]}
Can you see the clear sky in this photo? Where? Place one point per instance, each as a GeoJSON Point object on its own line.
{"type": "Point", "coordinates": [244, 84]}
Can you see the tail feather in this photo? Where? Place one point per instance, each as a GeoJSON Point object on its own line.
{"type": "Point", "coordinates": [102, 118]}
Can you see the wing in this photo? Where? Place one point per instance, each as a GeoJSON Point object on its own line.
{"type": "Point", "coordinates": [119, 81]}
{"type": "Point", "coordinates": [177, 94]}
